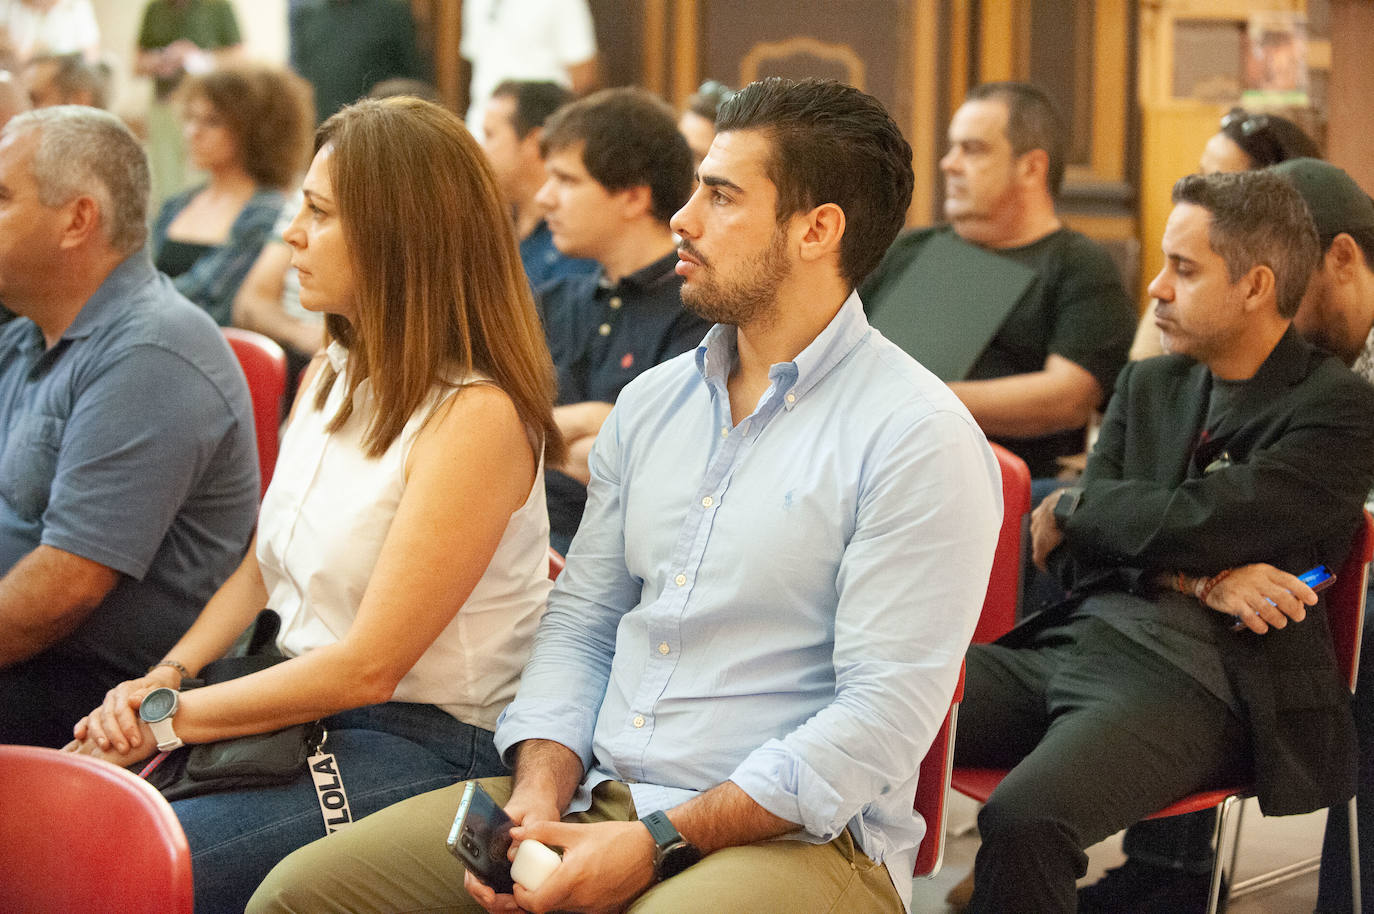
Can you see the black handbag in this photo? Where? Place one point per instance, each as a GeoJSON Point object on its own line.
{"type": "Point", "coordinates": [256, 760]}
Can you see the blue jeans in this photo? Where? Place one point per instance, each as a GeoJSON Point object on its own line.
{"type": "Point", "coordinates": [385, 754]}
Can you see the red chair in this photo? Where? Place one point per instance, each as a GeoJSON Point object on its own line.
{"type": "Point", "coordinates": [555, 564]}
{"type": "Point", "coordinates": [80, 834]}
{"type": "Point", "coordinates": [1345, 615]}
{"type": "Point", "coordinates": [1003, 594]}
{"type": "Point", "coordinates": [264, 365]}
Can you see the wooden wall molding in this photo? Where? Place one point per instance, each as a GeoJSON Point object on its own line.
{"type": "Point", "coordinates": [799, 45]}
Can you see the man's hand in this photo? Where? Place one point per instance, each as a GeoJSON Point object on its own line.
{"type": "Point", "coordinates": [605, 866]}
{"type": "Point", "coordinates": [1045, 532]}
{"type": "Point", "coordinates": [1262, 596]}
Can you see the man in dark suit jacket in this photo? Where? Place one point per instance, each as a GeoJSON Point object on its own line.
{"type": "Point", "coordinates": [1243, 451]}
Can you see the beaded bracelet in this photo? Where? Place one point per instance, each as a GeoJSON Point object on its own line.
{"type": "Point", "coordinates": [174, 665]}
{"type": "Point", "coordinates": [1205, 590]}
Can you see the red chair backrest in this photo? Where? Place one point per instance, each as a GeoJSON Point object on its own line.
{"type": "Point", "coordinates": [79, 834]}
{"type": "Point", "coordinates": [264, 365]}
{"type": "Point", "coordinates": [932, 789]}
{"type": "Point", "coordinates": [1345, 601]}
{"type": "Point", "coordinates": [998, 615]}
{"type": "Point", "coordinates": [1004, 584]}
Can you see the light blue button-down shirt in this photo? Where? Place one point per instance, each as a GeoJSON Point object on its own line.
{"type": "Point", "coordinates": [783, 603]}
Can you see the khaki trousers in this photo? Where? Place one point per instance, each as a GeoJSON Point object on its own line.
{"type": "Point", "coordinates": [396, 860]}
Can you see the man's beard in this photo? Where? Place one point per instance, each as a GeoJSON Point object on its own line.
{"type": "Point", "coordinates": [751, 300]}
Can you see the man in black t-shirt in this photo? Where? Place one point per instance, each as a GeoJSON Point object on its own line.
{"type": "Point", "coordinates": [1050, 357]}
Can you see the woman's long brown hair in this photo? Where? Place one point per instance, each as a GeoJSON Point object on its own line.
{"type": "Point", "coordinates": [441, 292]}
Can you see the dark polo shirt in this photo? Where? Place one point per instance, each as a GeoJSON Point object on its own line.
{"type": "Point", "coordinates": [602, 336]}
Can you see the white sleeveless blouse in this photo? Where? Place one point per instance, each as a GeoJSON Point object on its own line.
{"type": "Point", "coordinates": [322, 524]}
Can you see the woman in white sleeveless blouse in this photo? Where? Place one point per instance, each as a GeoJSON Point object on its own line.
{"type": "Point", "coordinates": [404, 537]}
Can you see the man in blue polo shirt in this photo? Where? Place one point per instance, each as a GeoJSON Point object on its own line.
{"type": "Point", "coordinates": [618, 170]}
{"type": "Point", "coordinates": [128, 470]}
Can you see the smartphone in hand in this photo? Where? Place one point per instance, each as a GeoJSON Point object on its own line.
{"type": "Point", "coordinates": [480, 838]}
{"type": "Point", "coordinates": [1318, 578]}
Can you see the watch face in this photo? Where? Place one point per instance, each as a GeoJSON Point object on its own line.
{"type": "Point", "coordinates": [677, 858]}
{"type": "Point", "coordinates": [158, 705]}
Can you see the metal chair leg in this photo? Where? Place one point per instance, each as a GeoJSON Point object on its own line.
{"type": "Point", "coordinates": [1355, 892]}
{"type": "Point", "coordinates": [1223, 874]}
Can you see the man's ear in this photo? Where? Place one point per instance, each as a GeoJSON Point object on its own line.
{"type": "Point", "coordinates": [822, 230]}
{"type": "Point", "coordinates": [1034, 166]}
{"type": "Point", "coordinates": [635, 201]}
{"type": "Point", "coordinates": [1259, 288]}
{"type": "Point", "coordinates": [529, 145]}
{"type": "Point", "coordinates": [1343, 258]}
{"type": "Point", "coordinates": [82, 222]}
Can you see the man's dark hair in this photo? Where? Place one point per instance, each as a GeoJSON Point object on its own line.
{"type": "Point", "coordinates": [1033, 122]}
{"type": "Point", "coordinates": [534, 101]}
{"type": "Point", "coordinates": [831, 143]}
{"type": "Point", "coordinates": [1258, 218]}
{"type": "Point", "coordinates": [629, 139]}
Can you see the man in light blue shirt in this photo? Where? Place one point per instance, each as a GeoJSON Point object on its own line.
{"type": "Point", "coordinates": [763, 615]}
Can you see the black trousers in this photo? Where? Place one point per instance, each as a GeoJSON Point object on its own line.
{"type": "Point", "coordinates": [1333, 891]}
{"type": "Point", "coordinates": [42, 698]}
{"type": "Point", "coordinates": [1098, 733]}
{"type": "Point", "coordinates": [1185, 842]}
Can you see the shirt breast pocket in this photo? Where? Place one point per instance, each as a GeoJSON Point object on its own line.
{"type": "Point", "coordinates": [29, 462]}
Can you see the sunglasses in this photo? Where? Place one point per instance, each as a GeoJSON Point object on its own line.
{"type": "Point", "coordinates": [1248, 124]}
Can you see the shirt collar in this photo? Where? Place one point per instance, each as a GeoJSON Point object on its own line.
{"type": "Point", "coordinates": [109, 300]}
{"type": "Point", "coordinates": [337, 353]}
{"type": "Point", "coordinates": [646, 276]}
{"type": "Point", "coordinates": [717, 353]}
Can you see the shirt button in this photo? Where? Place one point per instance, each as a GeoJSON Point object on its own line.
{"type": "Point", "coordinates": [680, 580]}
{"type": "Point", "coordinates": [707, 502]}
{"type": "Point", "coordinates": [725, 431]}
{"type": "Point", "coordinates": [663, 647]}
{"type": "Point", "coordinates": [791, 398]}
{"type": "Point", "coordinates": [615, 303]}
{"type": "Point", "coordinates": [639, 721]}
{"type": "Point", "coordinates": [604, 330]}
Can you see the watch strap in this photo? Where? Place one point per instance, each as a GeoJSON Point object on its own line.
{"type": "Point", "coordinates": [661, 829]}
{"type": "Point", "coordinates": [1067, 504]}
{"type": "Point", "coordinates": [166, 736]}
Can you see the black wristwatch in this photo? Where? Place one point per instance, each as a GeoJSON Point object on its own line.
{"type": "Point", "coordinates": [1067, 504]}
{"type": "Point", "coordinates": [674, 853]}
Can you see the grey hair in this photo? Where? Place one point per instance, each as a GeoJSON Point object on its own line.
{"type": "Point", "coordinates": [1258, 218]}
{"type": "Point", "coordinates": [84, 151]}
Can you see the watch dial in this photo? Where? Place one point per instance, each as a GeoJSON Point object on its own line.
{"type": "Point", "coordinates": [157, 704]}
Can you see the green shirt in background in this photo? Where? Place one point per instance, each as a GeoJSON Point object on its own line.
{"type": "Point", "coordinates": [208, 24]}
